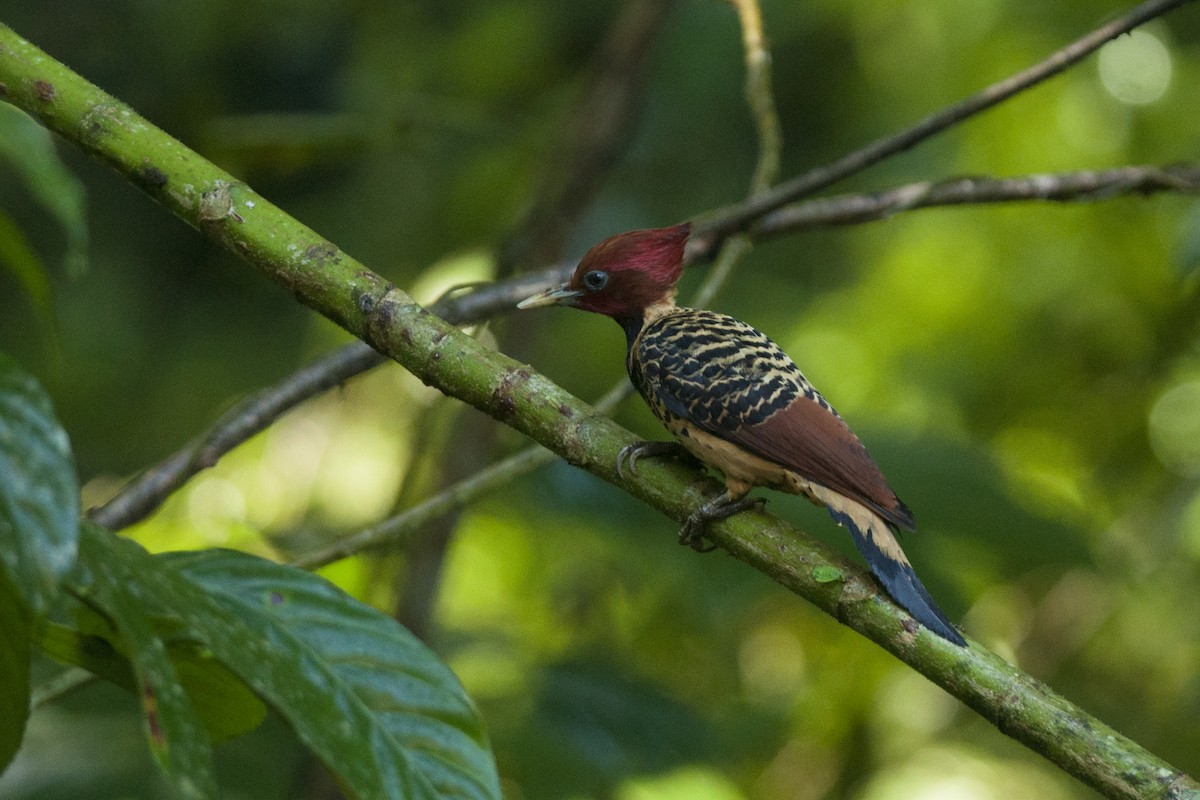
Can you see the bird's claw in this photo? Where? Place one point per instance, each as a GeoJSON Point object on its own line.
{"type": "Point", "coordinates": [692, 533]}
{"type": "Point", "coordinates": [632, 452]}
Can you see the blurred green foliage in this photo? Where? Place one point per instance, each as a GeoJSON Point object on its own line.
{"type": "Point", "coordinates": [1027, 376]}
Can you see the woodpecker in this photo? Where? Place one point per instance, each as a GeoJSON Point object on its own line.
{"type": "Point", "coordinates": [738, 403]}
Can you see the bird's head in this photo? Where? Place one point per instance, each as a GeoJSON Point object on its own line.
{"type": "Point", "coordinates": [623, 275]}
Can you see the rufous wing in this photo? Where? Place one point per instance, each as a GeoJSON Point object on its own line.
{"type": "Point", "coordinates": [808, 438]}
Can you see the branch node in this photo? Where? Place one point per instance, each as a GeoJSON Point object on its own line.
{"type": "Point", "coordinates": [216, 204]}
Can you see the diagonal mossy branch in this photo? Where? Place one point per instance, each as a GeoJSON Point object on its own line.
{"type": "Point", "coordinates": [332, 283]}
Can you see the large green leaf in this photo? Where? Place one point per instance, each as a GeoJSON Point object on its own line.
{"type": "Point", "coordinates": [39, 495]}
{"type": "Point", "coordinates": [375, 705]}
{"type": "Point", "coordinates": [14, 670]}
{"type": "Point", "coordinates": [112, 577]}
{"type": "Point", "coordinates": [223, 702]}
{"type": "Point", "coordinates": [384, 714]}
{"type": "Point", "coordinates": [29, 151]}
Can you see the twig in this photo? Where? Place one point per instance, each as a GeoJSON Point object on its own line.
{"type": "Point", "coordinates": [741, 216]}
{"type": "Point", "coordinates": [770, 143]}
{"type": "Point", "coordinates": [759, 96]}
{"type": "Point", "coordinates": [138, 499]}
{"type": "Point", "coordinates": [592, 140]}
{"type": "Point", "coordinates": [393, 531]}
{"type": "Point", "coordinates": [1059, 187]}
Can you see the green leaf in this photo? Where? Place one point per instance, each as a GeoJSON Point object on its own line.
{"type": "Point", "coordinates": [39, 495]}
{"type": "Point", "coordinates": [29, 150]}
{"type": "Point", "coordinates": [827, 574]}
{"type": "Point", "coordinates": [225, 705]}
{"type": "Point", "coordinates": [94, 653]}
{"type": "Point", "coordinates": [376, 706]}
{"type": "Point", "coordinates": [112, 576]}
{"type": "Point", "coordinates": [14, 670]}
{"type": "Point", "coordinates": [18, 255]}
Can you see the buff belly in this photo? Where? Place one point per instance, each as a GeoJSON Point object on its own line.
{"type": "Point", "coordinates": [744, 470]}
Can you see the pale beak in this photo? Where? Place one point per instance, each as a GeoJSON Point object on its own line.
{"type": "Point", "coordinates": [559, 295]}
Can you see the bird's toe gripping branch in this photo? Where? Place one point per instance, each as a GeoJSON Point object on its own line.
{"type": "Point", "coordinates": [628, 455]}
{"type": "Point", "coordinates": [720, 507]}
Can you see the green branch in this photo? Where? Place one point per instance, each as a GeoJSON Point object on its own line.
{"type": "Point", "coordinates": [329, 281]}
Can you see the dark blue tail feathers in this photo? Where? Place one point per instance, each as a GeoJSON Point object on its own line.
{"type": "Point", "coordinates": [900, 581]}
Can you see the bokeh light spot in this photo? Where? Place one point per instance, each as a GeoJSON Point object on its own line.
{"type": "Point", "coordinates": [771, 660]}
{"type": "Point", "coordinates": [1136, 68]}
{"type": "Point", "coordinates": [1175, 428]}
{"type": "Point", "coordinates": [689, 783]}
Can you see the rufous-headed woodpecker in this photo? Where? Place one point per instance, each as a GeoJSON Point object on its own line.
{"type": "Point", "coordinates": [737, 402]}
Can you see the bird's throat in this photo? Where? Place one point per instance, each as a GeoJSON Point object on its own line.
{"type": "Point", "coordinates": [633, 324]}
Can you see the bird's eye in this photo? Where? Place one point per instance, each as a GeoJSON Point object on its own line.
{"type": "Point", "coordinates": [595, 280]}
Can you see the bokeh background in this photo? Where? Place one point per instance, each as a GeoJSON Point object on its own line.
{"type": "Point", "coordinates": [1028, 376]}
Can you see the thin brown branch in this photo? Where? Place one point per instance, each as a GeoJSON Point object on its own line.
{"type": "Point", "coordinates": [743, 215]}
{"type": "Point", "coordinates": [592, 140]}
{"type": "Point", "coordinates": [253, 414]}
{"type": "Point", "coordinates": [581, 155]}
{"type": "Point", "coordinates": [1088, 185]}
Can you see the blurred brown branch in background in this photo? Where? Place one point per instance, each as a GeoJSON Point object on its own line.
{"type": "Point", "coordinates": [458, 493]}
{"type": "Point", "coordinates": [743, 215]}
{"type": "Point", "coordinates": [1060, 187]}
{"type": "Point", "coordinates": [592, 139]}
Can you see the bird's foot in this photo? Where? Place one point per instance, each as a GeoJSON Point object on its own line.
{"type": "Point", "coordinates": [719, 508]}
{"type": "Point", "coordinates": [629, 454]}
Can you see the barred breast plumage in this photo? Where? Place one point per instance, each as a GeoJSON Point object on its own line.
{"type": "Point", "coordinates": [703, 371]}
{"type": "Point", "coordinates": [722, 371]}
